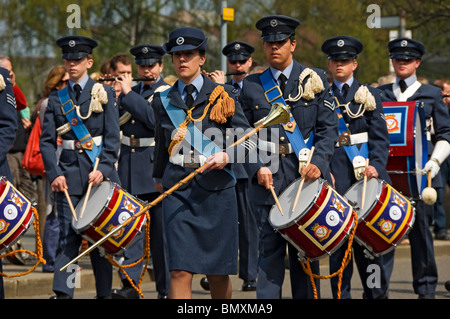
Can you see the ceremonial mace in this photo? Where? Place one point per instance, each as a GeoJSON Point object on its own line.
{"type": "Point", "coordinates": [279, 114]}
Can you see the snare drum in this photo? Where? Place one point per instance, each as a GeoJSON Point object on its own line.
{"type": "Point", "coordinates": [108, 207]}
{"type": "Point", "coordinates": [408, 151]}
{"type": "Point", "coordinates": [16, 214]}
{"type": "Point", "coordinates": [320, 223]}
{"type": "Point", "coordinates": [385, 219]}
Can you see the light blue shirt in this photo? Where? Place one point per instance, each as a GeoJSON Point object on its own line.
{"type": "Point", "coordinates": [340, 85]}
{"type": "Point", "coordinates": [287, 72]}
{"type": "Point", "coordinates": [151, 85]}
{"type": "Point", "coordinates": [408, 81]}
{"type": "Point", "coordinates": [197, 82]}
{"type": "Point", "coordinates": [82, 83]}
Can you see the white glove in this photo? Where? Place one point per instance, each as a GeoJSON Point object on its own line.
{"type": "Point", "coordinates": [432, 166]}
{"type": "Point", "coordinates": [440, 153]}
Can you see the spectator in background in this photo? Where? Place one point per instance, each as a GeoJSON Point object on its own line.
{"type": "Point", "coordinates": [119, 64]}
{"type": "Point", "coordinates": [56, 79]}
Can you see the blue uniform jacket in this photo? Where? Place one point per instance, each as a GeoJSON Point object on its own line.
{"type": "Point", "coordinates": [310, 115]}
{"type": "Point", "coordinates": [171, 173]}
{"type": "Point", "coordinates": [75, 165]}
{"type": "Point", "coordinates": [372, 122]}
{"type": "Point", "coordinates": [136, 163]}
{"type": "Point", "coordinates": [238, 169]}
{"type": "Point", "coordinates": [8, 123]}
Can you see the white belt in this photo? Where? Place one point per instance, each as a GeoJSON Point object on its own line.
{"type": "Point", "coordinates": [272, 147]}
{"type": "Point", "coordinates": [188, 160]}
{"type": "Point", "coordinates": [138, 142]}
{"type": "Point", "coordinates": [72, 144]}
{"type": "Point", "coordinates": [352, 139]}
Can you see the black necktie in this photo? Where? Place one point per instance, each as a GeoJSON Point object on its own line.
{"type": "Point", "coordinates": [77, 89]}
{"type": "Point", "coordinates": [345, 90]}
{"type": "Point", "coordinates": [236, 86]}
{"type": "Point", "coordinates": [402, 85]}
{"type": "Point", "coordinates": [282, 80]}
{"type": "Point", "coordinates": [146, 87]}
{"type": "Point", "coordinates": [189, 98]}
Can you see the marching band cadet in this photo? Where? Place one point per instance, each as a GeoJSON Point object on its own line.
{"type": "Point", "coordinates": [136, 163]}
{"type": "Point", "coordinates": [406, 56]}
{"type": "Point", "coordinates": [306, 92]}
{"type": "Point", "coordinates": [365, 125]}
{"type": "Point", "coordinates": [239, 61]}
{"type": "Point", "coordinates": [200, 217]}
{"type": "Point", "coordinates": [8, 116]}
{"type": "Point", "coordinates": [85, 115]}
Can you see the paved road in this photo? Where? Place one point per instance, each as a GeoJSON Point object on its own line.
{"type": "Point", "coordinates": [37, 285]}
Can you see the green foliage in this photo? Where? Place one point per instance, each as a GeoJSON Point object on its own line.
{"type": "Point", "coordinates": [31, 27]}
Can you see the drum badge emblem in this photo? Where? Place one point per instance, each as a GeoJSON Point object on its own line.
{"type": "Point", "coordinates": [3, 226]}
{"type": "Point", "coordinates": [397, 200]}
{"type": "Point", "coordinates": [16, 200]}
{"type": "Point", "coordinates": [128, 205]}
{"type": "Point", "coordinates": [386, 226]}
{"type": "Point", "coordinates": [117, 234]}
{"type": "Point", "coordinates": [337, 204]}
{"type": "Point", "coordinates": [392, 123]}
{"type": "Point", "coordinates": [321, 232]}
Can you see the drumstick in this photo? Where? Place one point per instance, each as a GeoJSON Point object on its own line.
{"type": "Point", "coordinates": [364, 186]}
{"type": "Point", "coordinates": [303, 180]}
{"type": "Point", "coordinates": [89, 188]}
{"type": "Point", "coordinates": [276, 199]}
{"type": "Point", "coordinates": [70, 204]}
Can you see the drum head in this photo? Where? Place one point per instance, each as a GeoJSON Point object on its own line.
{"type": "Point", "coordinates": [98, 198]}
{"type": "Point", "coordinates": [354, 195]}
{"type": "Point", "coordinates": [307, 198]}
{"type": "Point", "coordinates": [420, 152]}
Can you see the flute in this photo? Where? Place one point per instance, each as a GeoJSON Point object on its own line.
{"type": "Point", "coordinates": [231, 73]}
{"type": "Point", "coordinates": [136, 79]}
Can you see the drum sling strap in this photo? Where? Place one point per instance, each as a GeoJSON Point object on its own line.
{"type": "Point", "coordinates": [351, 150]}
{"type": "Point", "coordinates": [78, 127]}
{"type": "Point", "coordinates": [198, 140]}
{"type": "Point", "coordinates": [273, 94]}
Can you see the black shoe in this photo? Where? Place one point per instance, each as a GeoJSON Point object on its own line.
{"type": "Point", "coordinates": [60, 296]}
{"type": "Point", "coordinates": [204, 283]}
{"type": "Point", "coordinates": [442, 235]}
{"type": "Point", "coordinates": [161, 296]}
{"type": "Point", "coordinates": [447, 285]}
{"type": "Point", "coordinates": [124, 293]}
{"type": "Point", "coordinates": [427, 296]}
{"type": "Point", "coordinates": [249, 286]}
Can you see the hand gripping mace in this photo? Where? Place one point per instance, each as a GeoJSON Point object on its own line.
{"type": "Point", "coordinates": [279, 114]}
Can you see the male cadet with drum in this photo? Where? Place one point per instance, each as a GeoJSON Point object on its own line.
{"type": "Point", "coordinates": [136, 164]}
{"type": "Point", "coordinates": [406, 56]}
{"type": "Point", "coordinates": [315, 116]}
{"type": "Point", "coordinates": [92, 111]}
{"type": "Point", "coordinates": [365, 125]}
{"type": "Point", "coordinates": [8, 116]}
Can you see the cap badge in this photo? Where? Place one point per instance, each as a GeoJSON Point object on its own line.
{"type": "Point", "coordinates": [273, 23]}
{"type": "Point", "coordinates": [404, 43]}
{"type": "Point", "coordinates": [72, 43]}
{"type": "Point", "coordinates": [180, 40]}
{"type": "Point", "coordinates": [237, 46]}
{"type": "Point", "coordinates": [144, 50]}
{"type": "Point", "coordinates": [340, 43]}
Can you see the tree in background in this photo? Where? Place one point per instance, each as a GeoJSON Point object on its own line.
{"type": "Point", "coordinates": [30, 28]}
